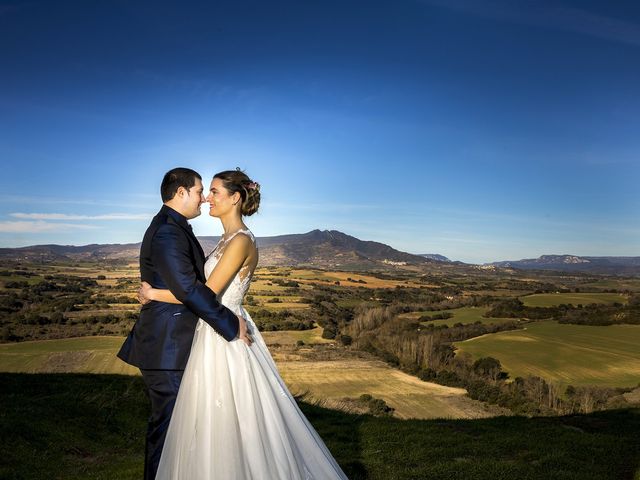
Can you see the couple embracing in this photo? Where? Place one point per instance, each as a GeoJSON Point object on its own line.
{"type": "Point", "coordinates": [219, 408]}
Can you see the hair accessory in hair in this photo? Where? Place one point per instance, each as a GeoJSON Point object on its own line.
{"type": "Point", "coordinates": [253, 185]}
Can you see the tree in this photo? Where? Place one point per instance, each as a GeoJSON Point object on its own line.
{"type": "Point", "coordinates": [488, 367]}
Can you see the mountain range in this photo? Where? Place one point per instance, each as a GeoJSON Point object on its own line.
{"type": "Point", "coordinates": [324, 249]}
{"type": "Point", "coordinates": [331, 249]}
{"type": "Point", "coordinates": [574, 263]}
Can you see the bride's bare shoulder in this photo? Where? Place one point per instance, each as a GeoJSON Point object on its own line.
{"type": "Point", "coordinates": [241, 242]}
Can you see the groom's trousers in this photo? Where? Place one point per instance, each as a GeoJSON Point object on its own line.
{"type": "Point", "coordinates": [162, 389]}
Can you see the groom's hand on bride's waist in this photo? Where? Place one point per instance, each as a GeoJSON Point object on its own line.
{"type": "Point", "coordinates": [243, 332]}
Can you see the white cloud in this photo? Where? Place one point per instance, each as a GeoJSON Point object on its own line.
{"type": "Point", "coordinates": [41, 226]}
{"type": "Point", "coordinates": [121, 202]}
{"type": "Point", "coordinates": [66, 216]}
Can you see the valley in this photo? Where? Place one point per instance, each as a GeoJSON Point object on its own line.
{"type": "Point", "coordinates": [428, 338]}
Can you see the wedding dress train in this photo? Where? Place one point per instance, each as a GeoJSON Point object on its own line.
{"type": "Point", "coordinates": [234, 417]}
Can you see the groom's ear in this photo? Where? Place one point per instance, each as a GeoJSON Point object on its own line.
{"type": "Point", "coordinates": [180, 192]}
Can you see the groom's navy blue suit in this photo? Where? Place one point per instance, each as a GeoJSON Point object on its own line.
{"type": "Point", "coordinates": [159, 343]}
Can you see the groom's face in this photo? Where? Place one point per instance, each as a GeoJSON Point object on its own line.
{"type": "Point", "coordinates": [193, 199]}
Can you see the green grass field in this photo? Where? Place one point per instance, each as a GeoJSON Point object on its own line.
{"type": "Point", "coordinates": [552, 299]}
{"type": "Point", "coordinates": [286, 302]}
{"type": "Point", "coordinates": [462, 315]}
{"type": "Point", "coordinates": [565, 354]}
{"type": "Point", "coordinates": [31, 279]}
{"type": "Point", "coordinates": [77, 355]}
{"type": "Point", "coordinates": [262, 287]}
{"type": "Point", "coordinates": [81, 427]}
{"type": "Point", "coordinates": [291, 337]}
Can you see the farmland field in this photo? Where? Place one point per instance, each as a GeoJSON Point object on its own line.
{"type": "Point", "coordinates": [462, 315]}
{"type": "Point", "coordinates": [290, 337]}
{"type": "Point", "coordinates": [552, 299]}
{"type": "Point", "coordinates": [565, 354]}
{"type": "Point", "coordinates": [632, 284]}
{"type": "Point", "coordinates": [281, 302]}
{"type": "Point", "coordinates": [331, 381]}
{"type": "Point", "coordinates": [348, 279]}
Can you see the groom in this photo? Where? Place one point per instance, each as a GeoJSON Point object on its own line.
{"type": "Point", "coordinates": [159, 343]}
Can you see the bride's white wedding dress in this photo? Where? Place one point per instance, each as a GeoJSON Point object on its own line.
{"type": "Point", "coordinates": [234, 417]}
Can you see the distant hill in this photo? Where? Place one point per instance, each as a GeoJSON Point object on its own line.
{"type": "Point", "coordinates": [329, 249]}
{"type": "Point", "coordinates": [435, 256]}
{"type": "Point", "coordinates": [575, 263]}
{"type": "Point", "coordinates": [325, 249]}
{"type": "Point", "coordinates": [48, 253]}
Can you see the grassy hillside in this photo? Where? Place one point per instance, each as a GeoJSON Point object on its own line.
{"type": "Point", "coordinates": [565, 354]}
{"type": "Point", "coordinates": [79, 426]}
{"type": "Point", "coordinates": [76, 355]}
{"type": "Point", "coordinates": [332, 381]}
{"type": "Point", "coordinates": [552, 299]}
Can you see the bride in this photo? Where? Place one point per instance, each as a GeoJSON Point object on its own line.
{"type": "Point", "coordinates": [234, 418]}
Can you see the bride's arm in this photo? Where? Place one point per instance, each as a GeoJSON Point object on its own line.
{"type": "Point", "coordinates": [231, 261]}
{"type": "Point", "coordinates": [147, 293]}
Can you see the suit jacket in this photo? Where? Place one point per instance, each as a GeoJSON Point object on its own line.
{"type": "Point", "coordinates": [171, 257]}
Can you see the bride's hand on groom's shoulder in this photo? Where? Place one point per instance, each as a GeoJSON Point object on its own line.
{"type": "Point", "coordinates": [143, 293]}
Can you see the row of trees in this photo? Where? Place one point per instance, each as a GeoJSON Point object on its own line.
{"type": "Point", "coordinates": [270, 320]}
{"type": "Point", "coordinates": [591, 314]}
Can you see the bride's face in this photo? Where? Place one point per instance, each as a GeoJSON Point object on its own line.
{"type": "Point", "coordinates": [220, 200]}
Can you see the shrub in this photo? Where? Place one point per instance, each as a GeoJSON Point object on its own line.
{"type": "Point", "coordinates": [376, 406]}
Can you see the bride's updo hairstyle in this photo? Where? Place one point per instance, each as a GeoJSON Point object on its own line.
{"type": "Point", "coordinates": [238, 181]}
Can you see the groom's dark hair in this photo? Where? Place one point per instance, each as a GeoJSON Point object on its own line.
{"type": "Point", "coordinates": [176, 178]}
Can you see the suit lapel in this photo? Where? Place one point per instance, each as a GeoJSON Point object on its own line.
{"type": "Point", "coordinates": [198, 253]}
{"type": "Point", "coordinates": [197, 249]}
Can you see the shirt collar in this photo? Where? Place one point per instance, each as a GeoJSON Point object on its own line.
{"type": "Point", "coordinates": [178, 217]}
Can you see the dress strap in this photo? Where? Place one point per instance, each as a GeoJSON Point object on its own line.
{"type": "Point", "coordinates": [246, 231]}
{"type": "Point", "coordinates": [221, 245]}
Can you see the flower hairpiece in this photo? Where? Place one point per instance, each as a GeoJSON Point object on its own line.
{"type": "Point", "coordinates": [253, 185]}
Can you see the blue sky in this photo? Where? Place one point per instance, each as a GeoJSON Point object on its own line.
{"type": "Point", "coordinates": [480, 130]}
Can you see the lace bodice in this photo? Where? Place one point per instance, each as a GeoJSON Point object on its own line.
{"type": "Point", "coordinates": [234, 294]}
